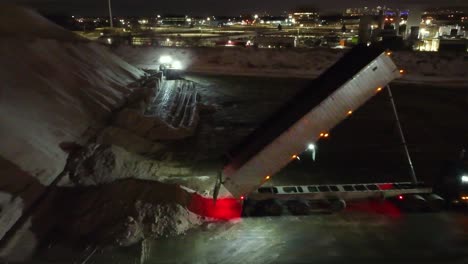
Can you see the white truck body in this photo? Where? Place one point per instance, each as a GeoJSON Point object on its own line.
{"type": "Point", "coordinates": [244, 178]}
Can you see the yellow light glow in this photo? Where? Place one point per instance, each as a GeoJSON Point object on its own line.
{"type": "Point", "coordinates": [379, 89]}
{"type": "Point", "coordinates": [322, 134]}
{"type": "Point", "coordinates": [350, 112]}
{"type": "Point", "coordinates": [389, 53]}
{"type": "Point", "coordinates": [326, 135]}
{"type": "Point", "coordinates": [267, 178]}
{"type": "Point", "coordinates": [294, 157]}
{"type": "Point", "coordinates": [402, 71]}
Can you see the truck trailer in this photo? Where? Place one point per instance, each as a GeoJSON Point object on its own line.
{"type": "Point", "coordinates": [309, 116]}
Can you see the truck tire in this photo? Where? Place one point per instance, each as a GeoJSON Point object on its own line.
{"type": "Point", "coordinates": [248, 208]}
{"type": "Point", "coordinates": [337, 205]}
{"type": "Point", "coordinates": [269, 207]}
{"type": "Point", "coordinates": [297, 207]}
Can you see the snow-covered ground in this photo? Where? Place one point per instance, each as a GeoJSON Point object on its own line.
{"type": "Point", "coordinates": [421, 67]}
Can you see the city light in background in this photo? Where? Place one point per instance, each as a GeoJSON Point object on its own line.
{"type": "Point", "coordinates": [428, 30]}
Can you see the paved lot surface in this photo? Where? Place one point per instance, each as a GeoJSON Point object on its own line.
{"type": "Point", "coordinates": [348, 237]}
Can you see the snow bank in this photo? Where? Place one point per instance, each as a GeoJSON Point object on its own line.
{"type": "Point", "coordinates": [303, 63]}
{"type": "Point", "coordinates": [433, 68]}
{"type": "Point", "coordinates": [238, 61]}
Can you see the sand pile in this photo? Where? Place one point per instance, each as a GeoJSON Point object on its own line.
{"type": "Point", "coordinates": [97, 164]}
{"type": "Point", "coordinates": [21, 22]}
{"type": "Point", "coordinates": [55, 89]}
{"type": "Point", "coordinates": [124, 212]}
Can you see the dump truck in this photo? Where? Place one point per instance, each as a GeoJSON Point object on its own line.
{"type": "Point", "coordinates": [309, 116]}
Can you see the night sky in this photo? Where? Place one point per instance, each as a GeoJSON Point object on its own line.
{"type": "Point", "coordinates": [214, 7]}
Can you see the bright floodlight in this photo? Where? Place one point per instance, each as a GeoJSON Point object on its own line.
{"type": "Point", "coordinates": [177, 65]}
{"type": "Point", "coordinates": [165, 59]}
{"type": "Point", "coordinates": [464, 178]}
{"type": "Point", "coordinates": [311, 147]}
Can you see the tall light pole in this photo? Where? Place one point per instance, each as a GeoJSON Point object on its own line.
{"type": "Point", "coordinates": [110, 14]}
{"type": "Point", "coordinates": [313, 149]}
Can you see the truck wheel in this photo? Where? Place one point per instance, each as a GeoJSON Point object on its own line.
{"type": "Point", "coordinates": [248, 208]}
{"type": "Point", "coordinates": [337, 205]}
{"type": "Point", "coordinates": [269, 207]}
{"type": "Point", "coordinates": [297, 207]}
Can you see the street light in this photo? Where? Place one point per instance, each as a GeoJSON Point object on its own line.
{"type": "Point", "coordinates": [464, 179]}
{"type": "Point", "coordinates": [110, 14]}
{"type": "Point", "coordinates": [312, 148]}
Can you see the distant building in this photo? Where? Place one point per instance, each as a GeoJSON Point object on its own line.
{"type": "Point", "coordinates": [175, 20]}
{"type": "Point", "coordinates": [413, 24]}
{"type": "Point", "coordinates": [362, 11]}
{"type": "Point", "coordinates": [365, 29]}
{"type": "Point", "coordinates": [305, 17]}
{"type": "Point", "coordinates": [443, 29]}
{"type": "Point", "coordinates": [274, 20]}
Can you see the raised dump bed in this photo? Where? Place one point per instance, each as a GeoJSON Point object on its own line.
{"type": "Point", "coordinates": [311, 114]}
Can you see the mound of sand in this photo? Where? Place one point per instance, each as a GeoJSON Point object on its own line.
{"type": "Point", "coordinates": [54, 90]}
{"type": "Point", "coordinates": [21, 22]}
{"type": "Point", "coordinates": [124, 212]}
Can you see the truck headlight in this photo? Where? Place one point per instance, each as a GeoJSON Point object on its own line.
{"type": "Point", "coordinates": [464, 179]}
{"type": "Point", "coordinates": [165, 59]}
{"type": "Point", "coordinates": [177, 65]}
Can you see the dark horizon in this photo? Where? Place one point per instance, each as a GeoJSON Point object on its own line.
{"type": "Point", "coordinates": [212, 7]}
